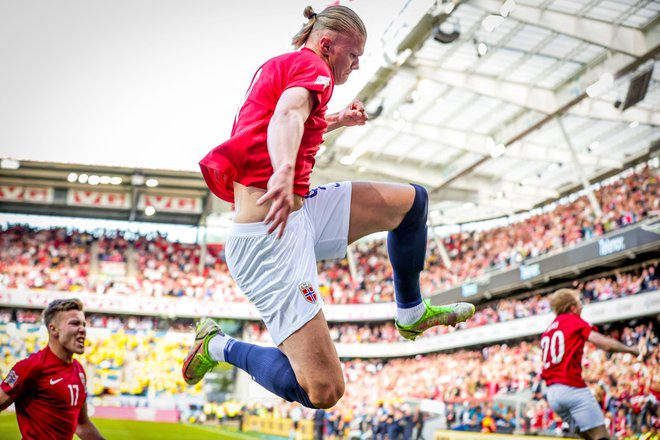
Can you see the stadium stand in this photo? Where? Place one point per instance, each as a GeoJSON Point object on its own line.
{"type": "Point", "coordinates": [60, 259]}
{"type": "Point", "coordinates": [123, 348]}
{"type": "Point", "coordinates": [472, 383]}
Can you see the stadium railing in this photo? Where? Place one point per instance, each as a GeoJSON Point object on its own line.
{"type": "Point", "coordinates": [461, 435]}
{"type": "Point", "coordinates": [279, 427]}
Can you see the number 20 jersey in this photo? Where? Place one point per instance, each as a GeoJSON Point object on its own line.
{"type": "Point", "coordinates": [48, 393]}
{"type": "Point", "coordinates": [562, 347]}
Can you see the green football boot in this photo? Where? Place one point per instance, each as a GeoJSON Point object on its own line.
{"type": "Point", "coordinates": [199, 362]}
{"type": "Point", "coordinates": [450, 314]}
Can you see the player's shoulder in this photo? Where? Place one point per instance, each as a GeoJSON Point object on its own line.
{"type": "Point", "coordinates": [303, 58]}
{"type": "Point", "coordinates": [31, 364]}
{"type": "Point", "coordinates": [563, 321]}
{"type": "Point", "coordinates": [37, 358]}
{"type": "Point", "coordinates": [576, 319]}
{"type": "Point", "coordinates": [573, 323]}
{"type": "Point", "coordinates": [78, 366]}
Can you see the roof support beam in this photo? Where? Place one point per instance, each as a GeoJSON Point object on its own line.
{"type": "Point", "coordinates": [540, 100]}
{"type": "Point", "coordinates": [541, 121]}
{"type": "Point", "coordinates": [533, 152]}
{"type": "Point", "coordinates": [513, 202]}
{"type": "Point", "coordinates": [376, 168]}
{"type": "Point", "coordinates": [599, 109]}
{"type": "Point", "coordinates": [462, 140]}
{"type": "Point", "coordinates": [585, 182]}
{"type": "Point", "coordinates": [475, 143]}
{"type": "Point", "coordinates": [618, 38]}
{"type": "Point", "coordinates": [479, 182]}
{"type": "Point", "coordinates": [533, 98]}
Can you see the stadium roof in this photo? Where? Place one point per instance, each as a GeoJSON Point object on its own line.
{"type": "Point", "coordinates": [501, 118]}
{"type": "Point", "coordinates": [495, 106]}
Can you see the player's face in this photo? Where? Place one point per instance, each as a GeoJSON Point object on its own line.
{"type": "Point", "coordinates": [578, 308]}
{"type": "Point", "coordinates": [344, 56]}
{"type": "Point", "coordinates": [71, 331]}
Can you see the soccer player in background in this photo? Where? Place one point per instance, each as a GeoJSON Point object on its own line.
{"type": "Point", "coordinates": [562, 347]}
{"type": "Point", "coordinates": [264, 170]}
{"type": "Point", "coordinates": [48, 387]}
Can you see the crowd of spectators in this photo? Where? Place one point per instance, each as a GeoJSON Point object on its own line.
{"type": "Point", "coordinates": [478, 378]}
{"type": "Point", "coordinates": [56, 258]}
{"type": "Point", "coordinates": [115, 262]}
{"type": "Point", "coordinates": [117, 362]}
{"type": "Point", "coordinates": [472, 253]}
{"type": "Point", "coordinates": [476, 388]}
{"type": "Point", "coordinates": [135, 358]}
{"type": "Point", "coordinates": [471, 382]}
{"type": "Point", "coordinates": [622, 283]}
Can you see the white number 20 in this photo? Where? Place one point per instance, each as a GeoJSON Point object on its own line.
{"type": "Point", "coordinates": [553, 346]}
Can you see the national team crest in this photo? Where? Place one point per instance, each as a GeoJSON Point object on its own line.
{"type": "Point", "coordinates": [11, 378]}
{"type": "Point", "coordinates": [82, 379]}
{"type": "Point", "coordinates": [308, 292]}
{"type": "Point", "coordinates": [323, 80]}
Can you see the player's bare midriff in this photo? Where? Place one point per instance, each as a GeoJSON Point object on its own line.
{"type": "Point", "coordinates": [246, 208]}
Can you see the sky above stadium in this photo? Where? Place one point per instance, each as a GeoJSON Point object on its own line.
{"type": "Point", "coordinates": [146, 83]}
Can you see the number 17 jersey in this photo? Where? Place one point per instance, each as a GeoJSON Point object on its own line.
{"type": "Point", "coordinates": [563, 346]}
{"type": "Point", "coordinates": [48, 393]}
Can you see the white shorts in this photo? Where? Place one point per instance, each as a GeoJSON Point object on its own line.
{"type": "Point", "coordinates": [577, 404]}
{"type": "Point", "coordinates": [279, 275]}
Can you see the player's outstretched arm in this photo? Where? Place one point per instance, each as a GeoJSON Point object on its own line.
{"type": "Point", "coordinates": [86, 429]}
{"type": "Point", "coordinates": [608, 344]}
{"type": "Point", "coordinates": [5, 400]}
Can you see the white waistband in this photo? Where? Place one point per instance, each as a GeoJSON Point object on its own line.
{"type": "Point", "coordinates": [260, 228]}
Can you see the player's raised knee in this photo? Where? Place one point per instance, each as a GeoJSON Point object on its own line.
{"type": "Point", "coordinates": [326, 394]}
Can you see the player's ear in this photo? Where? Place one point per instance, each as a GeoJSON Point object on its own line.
{"type": "Point", "coordinates": [325, 43]}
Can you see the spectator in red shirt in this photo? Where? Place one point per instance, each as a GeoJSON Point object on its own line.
{"type": "Point", "coordinates": [48, 387]}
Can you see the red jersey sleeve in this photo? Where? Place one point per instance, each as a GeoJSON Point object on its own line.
{"type": "Point", "coordinates": [311, 73]}
{"type": "Point", "coordinates": [21, 378]}
{"type": "Point", "coordinates": [304, 69]}
{"type": "Point", "coordinates": [585, 329]}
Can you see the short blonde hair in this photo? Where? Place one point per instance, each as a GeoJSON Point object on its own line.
{"type": "Point", "coordinates": [338, 18]}
{"type": "Point", "coordinates": [562, 300]}
{"type": "Point", "coordinates": [61, 305]}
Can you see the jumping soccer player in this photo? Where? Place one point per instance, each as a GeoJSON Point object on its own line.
{"type": "Point", "coordinates": [563, 346]}
{"type": "Point", "coordinates": [48, 387]}
{"type": "Point", "coordinates": [264, 170]}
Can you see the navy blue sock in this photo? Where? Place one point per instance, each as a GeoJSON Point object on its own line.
{"type": "Point", "coordinates": [406, 246]}
{"type": "Point", "coordinates": [269, 368]}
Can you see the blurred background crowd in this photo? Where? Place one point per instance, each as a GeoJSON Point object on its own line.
{"type": "Point", "coordinates": [134, 357]}
{"type": "Point", "coordinates": [117, 262]}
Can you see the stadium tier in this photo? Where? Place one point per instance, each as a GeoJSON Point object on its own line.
{"type": "Point", "coordinates": [126, 368]}
{"type": "Point", "coordinates": [108, 263]}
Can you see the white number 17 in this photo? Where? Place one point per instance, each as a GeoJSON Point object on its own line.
{"type": "Point", "coordinates": [73, 390]}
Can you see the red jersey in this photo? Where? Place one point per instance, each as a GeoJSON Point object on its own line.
{"type": "Point", "coordinates": [244, 157]}
{"type": "Point", "coordinates": [48, 393]}
{"type": "Point", "coordinates": [563, 346]}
